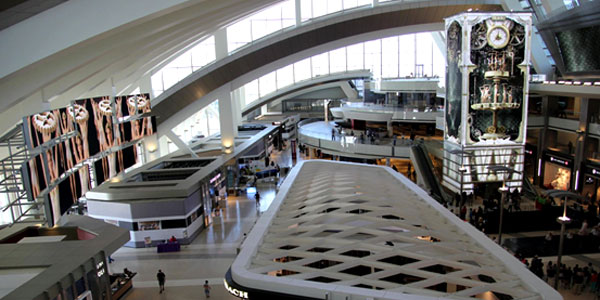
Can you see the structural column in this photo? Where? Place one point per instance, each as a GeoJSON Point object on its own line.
{"type": "Point", "coordinates": [221, 50]}
{"type": "Point", "coordinates": [298, 12]}
{"type": "Point", "coordinates": [541, 146]}
{"type": "Point", "coordinates": [583, 147]}
{"type": "Point", "coordinates": [227, 119]}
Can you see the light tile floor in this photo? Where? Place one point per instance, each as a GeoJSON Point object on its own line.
{"type": "Point", "coordinates": [215, 248]}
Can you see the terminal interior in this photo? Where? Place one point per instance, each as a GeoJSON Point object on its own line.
{"type": "Point", "coordinates": [174, 135]}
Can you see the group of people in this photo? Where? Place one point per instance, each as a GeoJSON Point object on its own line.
{"type": "Point", "coordinates": [162, 278]}
{"type": "Point", "coordinates": [577, 279]}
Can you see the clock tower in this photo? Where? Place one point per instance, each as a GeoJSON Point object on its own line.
{"type": "Point", "coordinates": [486, 98]}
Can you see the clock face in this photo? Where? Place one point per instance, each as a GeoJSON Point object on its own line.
{"type": "Point", "coordinates": [498, 37]}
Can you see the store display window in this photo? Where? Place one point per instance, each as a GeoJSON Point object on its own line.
{"type": "Point", "coordinates": [557, 177]}
{"type": "Point", "coordinates": [151, 225]}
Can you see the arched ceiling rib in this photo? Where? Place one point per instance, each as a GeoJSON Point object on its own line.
{"type": "Point", "coordinates": [122, 54]}
{"type": "Point", "coordinates": [184, 94]}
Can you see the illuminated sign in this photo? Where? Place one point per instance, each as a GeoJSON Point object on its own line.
{"type": "Point", "coordinates": [100, 268]}
{"type": "Point", "coordinates": [558, 160]}
{"type": "Point", "coordinates": [592, 170]}
{"type": "Point", "coordinates": [235, 292]}
{"type": "Point", "coordinates": [215, 178]}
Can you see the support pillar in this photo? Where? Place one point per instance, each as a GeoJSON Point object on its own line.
{"type": "Point", "coordinates": [180, 144]}
{"type": "Point", "coordinates": [298, 12]}
{"type": "Point", "coordinates": [145, 85]}
{"type": "Point", "coordinates": [221, 50]}
{"type": "Point", "coordinates": [583, 147]}
{"type": "Point", "coordinates": [227, 121]}
{"type": "Point", "coordinates": [542, 142]}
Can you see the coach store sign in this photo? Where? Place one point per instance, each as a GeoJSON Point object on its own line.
{"type": "Point", "coordinates": [234, 291]}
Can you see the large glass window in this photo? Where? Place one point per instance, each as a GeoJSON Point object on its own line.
{"type": "Point", "coordinates": [267, 84]}
{"type": "Point", "coordinates": [260, 24]}
{"type": "Point", "coordinates": [356, 57]}
{"type": "Point", "coordinates": [302, 70]}
{"type": "Point", "coordinates": [373, 57]}
{"type": "Point", "coordinates": [183, 65]}
{"type": "Point", "coordinates": [337, 60]}
{"type": "Point", "coordinates": [407, 55]}
{"type": "Point", "coordinates": [320, 64]}
{"type": "Point", "coordinates": [316, 8]}
{"type": "Point", "coordinates": [389, 57]}
{"type": "Point", "coordinates": [424, 54]}
{"type": "Point", "coordinates": [251, 92]}
{"type": "Point", "coordinates": [285, 76]}
{"type": "Point", "coordinates": [203, 53]}
{"type": "Point", "coordinates": [356, 3]}
{"type": "Point", "coordinates": [203, 123]}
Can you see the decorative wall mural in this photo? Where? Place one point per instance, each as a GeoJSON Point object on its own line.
{"type": "Point", "coordinates": [88, 129]}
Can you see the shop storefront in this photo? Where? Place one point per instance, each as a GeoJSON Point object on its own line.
{"type": "Point", "coordinates": [558, 171]}
{"type": "Point", "coordinates": [591, 180]}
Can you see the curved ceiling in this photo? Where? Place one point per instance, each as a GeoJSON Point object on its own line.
{"type": "Point", "coordinates": [202, 83]}
{"type": "Point", "coordinates": [87, 57]}
{"type": "Point", "coordinates": [53, 67]}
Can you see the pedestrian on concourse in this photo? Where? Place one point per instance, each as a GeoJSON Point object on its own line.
{"type": "Point", "coordinates": [206, 289]}
{"type": "Point", "coordinates": [161, 280]}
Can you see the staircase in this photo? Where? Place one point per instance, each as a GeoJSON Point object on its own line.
{"type": "Point", "coordinates": [12, 188]}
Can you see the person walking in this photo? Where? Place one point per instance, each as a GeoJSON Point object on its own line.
{"type": "Point", "coordinates": [161, 280]}
{"type": "Point", "coordinates": [206, 289]}
{"type": "Point", "coordinates": [257, 197]}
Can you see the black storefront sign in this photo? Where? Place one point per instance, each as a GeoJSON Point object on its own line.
{"type": "Point", "coordinates": [592, 170]}
{"type": "Point", "coordinates": [559, 160]}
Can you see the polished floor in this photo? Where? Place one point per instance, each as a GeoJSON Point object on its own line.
{"type": "Point", "coordinates": [215, 248]}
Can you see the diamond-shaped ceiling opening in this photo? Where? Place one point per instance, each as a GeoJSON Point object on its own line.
{"type": "Point", "coordinates": [358, 201]}
{"type": "Point", "coordinates": [446, 287]}
{"type": "Point", "coordinates": [328, 210]}
{"type": "Point", "coordinates": [322, 264]}
{"type": "Point", "coordinates": [401, 278]}
{"type": "Point", "coordinates": [357, 253]}
{"type": "Point", "coordinates": [493, 296]}
{"type": "Point", "coordinates": [285, 259]}
{"type": "Point", "coordinates": [393, 229]}
{"type": "Point", "coordinates": [323, 279]}
{"type": "Point", "coordinates": [360, 236]}
{"type": "Point", "coordinates": [300, 215]}
{"type": "Point", "coordinates": [288, 247]}
{"type": "Point", "coordinates": [482, 278]}
{"type": "Point", "coordinates": [319, 249]}
{"type": "Point", "coordinates": [327, 232]}
{"type": "Point", "coordinates": [440, 269]}
{"type": "Point", "coordinates": [283, 272]}
{"type": "Point", "coordinates": [359, 211]}
{"type": "Point", "coordinates": [361, 270]}
{"type": "Point", "coordinates": [391, 217]}
{"type": "Point", "coordinates": [440, 287]}
{"type": "Point", "coordinates": [297, 233]}
{"type": "Point", "coordinates": [398, 260]}
{"type": "Point", "coordinates": [370, 287]}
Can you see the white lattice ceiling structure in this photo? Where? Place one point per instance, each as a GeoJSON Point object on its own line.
{"type": "Point", "coordinates": [367, 231]}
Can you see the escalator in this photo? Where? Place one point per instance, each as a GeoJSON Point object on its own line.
{"type": "Point", "coordinates": [529, 190]}
{"type": "Point", "coordinates": [424, 169]}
